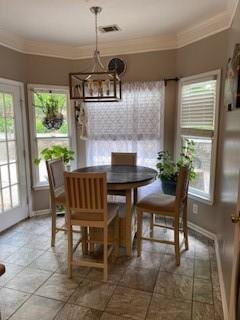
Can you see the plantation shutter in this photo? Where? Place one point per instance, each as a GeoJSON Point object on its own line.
{"type": "Point", "coordinates": [198, 102]}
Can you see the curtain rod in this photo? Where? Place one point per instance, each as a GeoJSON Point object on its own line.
{"type": "Point", "coordinates": [166, 80]}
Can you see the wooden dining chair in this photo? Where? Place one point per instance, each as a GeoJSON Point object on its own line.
{"type": "Point", "coordinates": [55, 170]}
{"type": "Point", "coordinates": [86, 195]}
{"type": "Point", "coordinates": [124, 158]}
{"type": "Point", "coordinates": [2, 271]}
{"type": "Point", "coordinates": [174, 207]}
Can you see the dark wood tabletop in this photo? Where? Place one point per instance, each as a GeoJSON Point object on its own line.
{"type": "Point", "coordinates": [124, 175]}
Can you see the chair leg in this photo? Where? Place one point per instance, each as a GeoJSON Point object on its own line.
{"type": "Point", "coordinates": [176, 240]}
{"type": "Point", "coordinates": [54, 222]}
{"type": "Point", "coordinates": [139, 232]}
{"type": "Point", "coordinates": [105, 254]}
{"type": "Point", "coordinates": [152, 221]}
{"type": "Point", "coordinates": [70, 251]}
{"type": "Point", "coordinates": [116, 237]}
{"type": "Point", "coordinates": [84, 240]}
{"type": "Point", "coordinates": [185, 227]}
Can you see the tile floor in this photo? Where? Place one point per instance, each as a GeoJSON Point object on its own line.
{"type": "Point", "coordinates": [36, 286]}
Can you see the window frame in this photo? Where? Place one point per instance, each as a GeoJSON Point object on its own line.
{"type": "Point", "coordinates": [196, 133]}
{"type": "Point", "coordinates": [33, 138]}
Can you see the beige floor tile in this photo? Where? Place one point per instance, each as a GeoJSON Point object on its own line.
{"type": "Point", "coordinates": [108, 316]}
{"type": "Point", "coordinates": [149, 260]}
{"type": "Point", "coordinates": [139, 278]}
{"type": "Point", "coordinates": [150, 246]}
{"type": "Point", "coordinates": [129, 303]}
{"type": "Point", "coordinates": [202, 269]}
{"type": "Point", "coordinates": [28, 280]}
{"type": "Point", "coordinates": [174, 285]}
{"type": "Point", "coordinates": [163, 308]}
{"type": "Point", "coordinates": [73, 312]}
{"type": "Point", "coordinates": [10, 301]}
{"type": "Point", "coordinates": [58, 287]}
{"type": "Point", "coordinates": [6, 250]}
{"type": "Point", "coordinates": [202, 291]}
{"type": "Point", "coordinates": [39, 242]}
{"type": "Point", "coordinates": [48, 261]}
{"type": "Point", "coordinates": [201, 252]}
{"type": "Point", "coordinates": [37, 308]}
{"type": "Point", "coordinates": [202, 311]}
{"type": "Point", "coordinates": [92, 294]}
{"type": "Point", "coordinates": [169, 265]}
{"type": "Point", "coordinates": [24, 256]}
{"type": "Point", "coordinates": [11, 271]}
{"type": "Point", "coordinates": [115, 273]}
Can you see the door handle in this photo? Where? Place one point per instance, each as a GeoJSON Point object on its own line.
{"type": "Point", "coordinates": [235, 219]}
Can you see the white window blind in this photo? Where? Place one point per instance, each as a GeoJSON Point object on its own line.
{"type": "Point", "coordinates": [198, 102]}
{"type": "Point", "coordinates": [197, 121]}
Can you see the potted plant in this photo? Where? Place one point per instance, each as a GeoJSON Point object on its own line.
{"type": "Point", "coordinates": [52, 107]}
{"type": "Point", "coordinates": [168, 169]}
{"type": "Point", "coordinates": [54, 152]}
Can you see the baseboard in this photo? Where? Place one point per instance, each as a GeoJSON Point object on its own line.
{"type": "Point", "coordinates": [213, 236]}
{"type": "Point", "coordinates": [40, 212]}
{"type": "Point", "coordinates": [202, 231]}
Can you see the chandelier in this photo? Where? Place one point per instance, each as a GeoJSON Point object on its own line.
{"type": "Point", "coordinates": [99, 85]}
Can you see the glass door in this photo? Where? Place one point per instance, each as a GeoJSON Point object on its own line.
{"type": "Point", "coordinates": [13, 191]}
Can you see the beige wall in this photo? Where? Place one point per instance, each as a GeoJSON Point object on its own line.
{"type": "Point", "coordinates": [202, 56]}
{"type": "Point", "coordinates": [229, 170]}
{"type": "Point", "coordinates": [12, 64]}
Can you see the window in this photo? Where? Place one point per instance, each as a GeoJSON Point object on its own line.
{"type": "Point", "coordinates": [42, 137]}
{"type": "Point", "coordinates": [197, 120]}
{"type": "Point", "coordinates": [135, 124]}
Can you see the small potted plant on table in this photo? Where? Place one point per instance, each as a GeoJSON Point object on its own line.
{"type": "Point", "coordinates": [168, 169]}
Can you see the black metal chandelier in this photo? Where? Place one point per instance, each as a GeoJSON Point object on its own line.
{"type": "Point", "coordinates": [99, 85]}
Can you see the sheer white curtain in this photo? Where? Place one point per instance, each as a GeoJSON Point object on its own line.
{"type": "Point", "coordinates": [135, 124]}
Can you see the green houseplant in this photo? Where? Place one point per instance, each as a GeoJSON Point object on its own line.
{"type": "Point", "coordinates": [54, 152]}
{"type": "Point", "coordinates": [168, 169]}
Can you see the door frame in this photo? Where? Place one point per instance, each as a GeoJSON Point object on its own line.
{"type": "Point", "coordinates": [20, 86]}
{"type": "Point", "coordinates": [236, 261]}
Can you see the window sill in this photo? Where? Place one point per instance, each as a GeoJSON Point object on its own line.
{"type": "Point", "coordinates": [200, 199]}
{"type": "Point", "coordinates": [40, 187]}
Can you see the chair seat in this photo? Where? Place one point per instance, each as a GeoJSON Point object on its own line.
{"type": "Point", "coordinates": [2, 269]}
{"type": "Point", "coordinates": [61, 198]}
{"type": "Point", "coordinates": [157, 202]}
{"type": "Point", "coordinates": [113, 209]}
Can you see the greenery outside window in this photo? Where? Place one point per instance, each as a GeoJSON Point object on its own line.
{"type": "Point", "coordinates": [43, 137]}
{"type": "Point", "coordinates": [198, 121]}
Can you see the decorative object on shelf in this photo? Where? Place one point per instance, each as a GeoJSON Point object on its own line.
{"type": "Point", "coordinates": [81, 117]}
{"type": "Point", "coordinates": [232, 82]}
{"type": "Point", "coordinates": [168, 169]}
{"type": "Point", "coordinates": [117, 65]}
{"type": "Point", "coordinates": [99, 85]}
{"type": "Point", "coordinates": [52, 109]}
{"type": "Point", "coordinates": [54, 152]}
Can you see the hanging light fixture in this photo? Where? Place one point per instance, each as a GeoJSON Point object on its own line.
{"type": "Point", "coordinates": [99, 85]}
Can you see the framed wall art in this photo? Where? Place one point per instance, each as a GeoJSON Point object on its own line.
{"type": "Point", "coordinates": [232, 82]}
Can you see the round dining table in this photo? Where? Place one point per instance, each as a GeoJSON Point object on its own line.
{"type": "Point", "coordinates": [124, 181]}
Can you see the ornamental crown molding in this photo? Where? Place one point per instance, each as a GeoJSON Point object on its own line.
{"type": "Point", "coordinates": [205, 29]}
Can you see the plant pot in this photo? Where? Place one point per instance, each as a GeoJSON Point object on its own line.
{"type": "Point", "coordinates": [169, 186]}
{"type": "Point", "coordinates": [53, 121]}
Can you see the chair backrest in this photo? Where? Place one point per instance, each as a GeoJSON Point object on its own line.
{"type": "Point", "coordinates": [124, 159]}
{"type": "Point", "coordinates": [55, 169]}
{"type": "Point", "coordinates": [86, 195]}
{"type": "Point", "coordinates": [182, 185]}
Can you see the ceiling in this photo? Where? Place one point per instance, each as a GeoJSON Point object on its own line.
{"type": "Point", "coordinates": [49, 26]}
